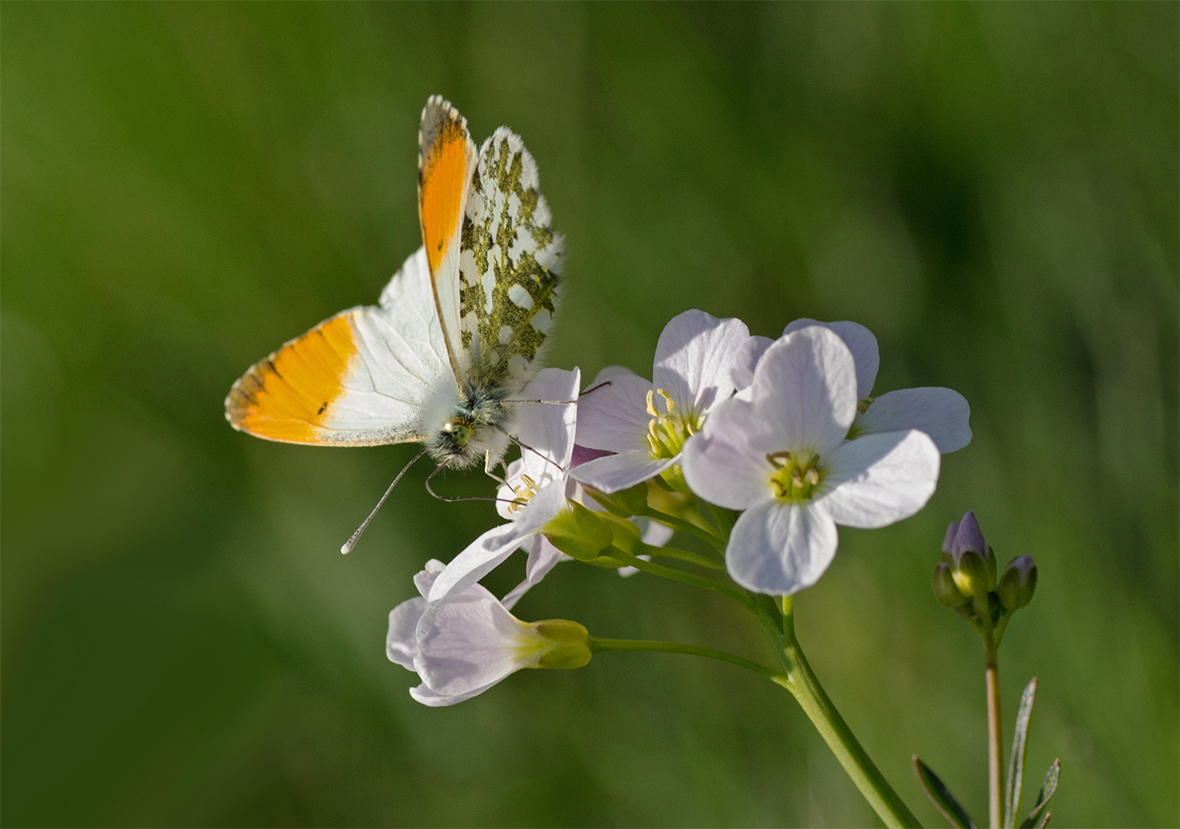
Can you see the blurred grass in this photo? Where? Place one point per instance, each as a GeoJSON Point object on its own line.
{"type": "Point", "coordinates": [992, 189]}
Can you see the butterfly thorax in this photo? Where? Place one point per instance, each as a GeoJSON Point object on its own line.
{"type": "Point", "coordinates": [471, 429]}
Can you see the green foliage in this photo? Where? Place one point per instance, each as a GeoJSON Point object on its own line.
{"type": "Point", "coordinates": [992, 189]}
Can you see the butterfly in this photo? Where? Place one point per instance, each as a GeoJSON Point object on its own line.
{"type": "Point", "coordinates": [457, 333]}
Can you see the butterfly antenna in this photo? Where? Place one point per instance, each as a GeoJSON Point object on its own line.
{"type": "Point", "coordinates": [356, 536]}
{"type": "Point", "coordinates": [524, 445]}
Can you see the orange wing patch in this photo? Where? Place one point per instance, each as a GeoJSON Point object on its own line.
{"type": "Point", "coordinates": [288, 396]}
{"type": "Point", "coordinates": [446, 161]}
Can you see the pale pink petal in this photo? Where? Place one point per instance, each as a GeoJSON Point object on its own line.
{"type": "Point", "coordinates": [423, 694]}
{"type": "Point", "coordinates": [723, 466]}
{"type": "Point", "coordinates": [425, 577]}
{"type": "Point", "coordinates": [779, 548]}
{"type": "Point", "coordinates": [478, 559]}
{"type": "Point", "coordinates": [741, 372]}
{"type": "Point", "coordinates": [693, 359]}
{"type": "Point", "coordinates": [804, 391]}
{"type": "Point", "coordinates": [860, 342]}
{"type": "Point", "coordinates": [876, 480]}
{"type": "Point", "coordinates": [622, 471]}
{"type": "Point", "coordinates": [548, 428]}
{"type": "Point", "coordinates": [400, 643]}
{"type": "Point", "coordinates": [615, 417]}
{"type": "Point", "coordinates": [489, 550]}
{"type": "Point", "coordinates": [939, 412]}
{"type": "Point", "coordinates": [468, 644]}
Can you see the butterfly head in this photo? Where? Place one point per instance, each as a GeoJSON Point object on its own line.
{"type": "Point", "coordinates": [470, 429]}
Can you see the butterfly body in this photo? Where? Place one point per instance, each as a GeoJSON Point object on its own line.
{"type": "Point", "coordinates": [458, 332]}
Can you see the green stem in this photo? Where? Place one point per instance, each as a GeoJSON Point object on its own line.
{"type": "Point", "coordinates": [603, 645]}
{"type": "Point", "coordinates": [734, 593]}
{"type": "Point", "coordinates": [685, 556]}
{"type": "Point", "coordinates": [995, 739]}
{"type": "Point", "coordinates": [804, 685]}
{"type": "Point", "coordinates": [679, 524]}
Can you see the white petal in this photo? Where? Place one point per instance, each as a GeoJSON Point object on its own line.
{"type": "Point", "coordinates": [693, 359]}
{"type": "Point", "coordinates": [723, 466]}
{"type": "Point", "coordinates": [653, 533]}
{"type": "Point", "coordinates": [860, 342]}
{"type": "Point", "coordinates": [780, 548]}
{"type": "Point", "coordinates": [804, 391]}
{"type": "Point", "coordinates": [618, 472]}
{"type": "Point", "coordinates": [876, 480]}
{"type": "Point", "coordinates": [939, 412]}
{"type": "Point", "coordinates": [489, 550]}
{"type": "Point", "coordinates": [548, 428]}
{"type": "Point", "coordinates": [424, 695]}
{"type": "Point", "coordinates": [741, 372]}
{"type": "Point", "coordinates": [542, 558]}
{"type": "Point", "coordinates": [469, 643]}
{"type": "Point", "coordinates": [615, 417]}
{"type": "Point", "coordinates": [611, 372]}
{"type": "Point", "coordinates": [504, 494]}
{"type": "Point", "coordinates": [542, 508]}
{"type": "Point", "coordinates": [479, 558]}
{"type": "Point", "coordinates": [425, 578]}
{"type": "Point", "coordinates": [400, 644]}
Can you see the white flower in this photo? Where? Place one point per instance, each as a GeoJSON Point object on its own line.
{"type": "Point", "coordinates": [646, 424]}
{"type": "Point", "coordinates": [779, 453]}
{"type": "Point", "coordinates": [941, 413]}
{"type": "Point", "coordinates": [536, 491]}
{"type": "Point", "coordinates": [468, 643]}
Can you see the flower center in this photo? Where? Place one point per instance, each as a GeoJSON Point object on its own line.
{"type": "Point", "coordinates": [795, 476]}
{"type": "Point", "coordinates": [667, 432]}
{"type": "Point", "coordinates": [522, 493]}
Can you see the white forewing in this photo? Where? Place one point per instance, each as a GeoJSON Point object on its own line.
{"type": "Point", "coordinates": [400, 362]}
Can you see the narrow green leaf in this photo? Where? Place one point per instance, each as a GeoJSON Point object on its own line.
{"type": "Point", "coordinates": [1048, 787]}
{"type": "Point", "coordinates": [1016, 765]}
{"type": "Point", "coordinates": [941, 796]}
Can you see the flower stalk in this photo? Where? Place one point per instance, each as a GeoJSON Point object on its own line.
{"type": "Point", "coordinates": [805, 687]}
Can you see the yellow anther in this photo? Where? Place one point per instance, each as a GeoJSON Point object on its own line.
{"type": "Point", "coordinates": [668, 401]}
{"type": "Point", "coordinates": [795, 476]}
{"type": "Point", "coordinates": [651, 408]}
{"type": "Point", "coordinates": [524, 491]}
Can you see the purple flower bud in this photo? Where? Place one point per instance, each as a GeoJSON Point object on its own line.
{"type": "Point", "coordinates": [968, 537]}
{"type": "Point", "coordinates": [1018, 583]}
{"type": "Point", "coordinates": [948, 542]}
{"type": "Point", "coordinates": [945, 589]}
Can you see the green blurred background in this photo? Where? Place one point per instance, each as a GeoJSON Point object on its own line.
{"type": "Point", "coordinates": [991, 189]}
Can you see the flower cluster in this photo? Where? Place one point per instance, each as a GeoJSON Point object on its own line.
{"type": "Point", "coordinates": [760, 447]}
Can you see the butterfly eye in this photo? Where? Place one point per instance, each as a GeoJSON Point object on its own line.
{"type": "Point", "coordinates": [459, 431]}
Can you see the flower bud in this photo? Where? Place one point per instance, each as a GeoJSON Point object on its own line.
{"type": "Point", "coordinates": [580, 533]}
{"type": "Point", "coordinates": [568, 648]}
{"type": "Point", "coordinates": [1018, 583]}
{"type": "Point", "coordinates": [948, 541]}
{"type": "Point", "coordinates": [970, 573]}
{"type": "Point", "coordinates": [945, 589]}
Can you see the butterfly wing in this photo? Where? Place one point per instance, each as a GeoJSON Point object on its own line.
{"type": "Point", "coordinates": [509, 266]}
{"type": "Point", "coordinates": [446, 162]}
{"type": "Point", "coordinates": [360, 378]}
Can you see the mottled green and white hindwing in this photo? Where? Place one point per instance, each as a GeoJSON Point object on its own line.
{"type": "Point", "coordinates": [509, 263]}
